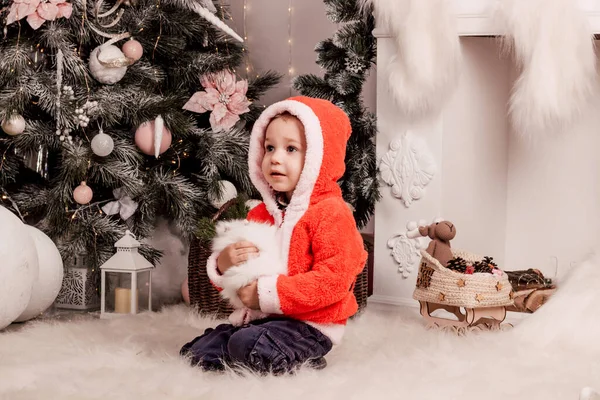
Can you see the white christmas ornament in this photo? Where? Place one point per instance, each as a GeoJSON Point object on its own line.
{"type": "Point", "coordinates": [207, 15]}
{"type": "Point", "coordinates": [102, 144]}
{"type": "Point", "coordinates": [408, 167]}
{"type": "Point", "coordinates": [19, 267]}
{"type": "Point", "coordinates": [228, 191]}
{"type": "Point", "coordinates": [50, 276]}
{"type": "Point", "coordinates": [15, 125]}
{"type": "Point", "coordinates": [108, 64]}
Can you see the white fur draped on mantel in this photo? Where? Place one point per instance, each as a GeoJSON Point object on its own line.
{"type": "Point", "coordinates": [425, 69]}
{"type": "Point", "coordinates": [553, 46]}
{"type": "Point", "coordinates": [551, 355]}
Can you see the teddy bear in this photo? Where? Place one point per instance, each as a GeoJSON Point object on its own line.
{"type": "Point", "coordinates": [440, 234]}
{"type": "Point", "coordinates": [269, 262]}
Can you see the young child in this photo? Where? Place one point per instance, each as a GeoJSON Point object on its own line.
{"type": "Point", "coordinates": [296, 157]}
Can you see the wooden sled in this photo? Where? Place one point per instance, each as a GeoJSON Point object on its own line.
{"type": "Point", "coordinates": [482, 318]}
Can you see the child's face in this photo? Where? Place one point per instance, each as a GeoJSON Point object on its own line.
{"type": "Point", "coordinates": [285, 147]}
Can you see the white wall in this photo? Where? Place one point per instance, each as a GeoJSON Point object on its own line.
{"type": "Point", "coordinates": [554, 197]}
{"type": "Point", "coordinates": [475, 144]}
{"type": "Point", "coordinates": [525, 205]}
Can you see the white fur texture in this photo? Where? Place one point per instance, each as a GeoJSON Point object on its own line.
{"type": "Point", "coordinates": [553, 46]}
{"type": "Point", "coordinates": [425, 69]}
{"type": "Point", "coordinates": [268, 262]}
{"type": "Point", "coordinates": [550, 355]}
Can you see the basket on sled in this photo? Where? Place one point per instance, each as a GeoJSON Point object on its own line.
{"type": "Point", "coordinates": [483, 296]}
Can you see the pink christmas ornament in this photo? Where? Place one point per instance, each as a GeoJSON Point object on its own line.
{"type": "Point", "coordinates": [225, 97]}
{"type": "Point", "coordinates": [15, 125]}
{"type": "Point", "coordinates": [133, 49]}
{"type": "Point", "coordinates": [153, 138]}
{"type": "Point", "coordinates": [83, 193]}
{"type": "Point", "coordinates": [185, 292]}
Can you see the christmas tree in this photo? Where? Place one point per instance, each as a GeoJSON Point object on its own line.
{"type": "Point", "coordinates": [116, 114]}
{"type": "Point", "coordinates": [347, 58]}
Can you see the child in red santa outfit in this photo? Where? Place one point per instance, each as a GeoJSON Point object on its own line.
{"type": "Point", "coordinates": [296, 157]}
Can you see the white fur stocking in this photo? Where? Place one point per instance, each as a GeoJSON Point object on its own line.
{"type": "Point", "coordinates": [425, 69]}
{"type": "Point", "coordinates": [554, 49]}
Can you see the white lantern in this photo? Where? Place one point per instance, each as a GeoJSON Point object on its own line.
{"type": "Point", "coordinates": [126, 277]}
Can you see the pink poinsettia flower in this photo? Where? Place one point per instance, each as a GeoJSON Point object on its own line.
{"type": "Point", "coordinates": [38, 11]}
{"type": "Point", "coordinates": [20, 9]}
{"type": "Point", "coordinates": [64, 9]}
{"type": "Point", "coordinates": [222, 95]}
{"type": "Point", "coordinates": [47, 11]}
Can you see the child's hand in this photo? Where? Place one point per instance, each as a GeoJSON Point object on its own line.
{"type": "Point", "coordinates": [235, 254]}
{"type": "Point", "coordinates": [249, 295]}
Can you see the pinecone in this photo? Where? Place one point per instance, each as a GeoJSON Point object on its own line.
{"type": "Point", "coordinates": [490, 261]}
{"type": "Point", "coordinates": [485, 266]}
{"type": "Point", "coordinates": [457, 264]}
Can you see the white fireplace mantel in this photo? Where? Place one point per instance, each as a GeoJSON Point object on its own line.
{"type": "Point", "coordinates": [526, 205]}
{"type": "Point", "coordinates": [476, 17]}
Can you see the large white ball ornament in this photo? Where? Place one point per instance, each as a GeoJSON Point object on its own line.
{"type": "Point", "coordinates": [228, 191]}
{"type": "Point", "coordinates": [108, 54]}
{"type": "Point", "coordinates": [15, 125]}
{"type": "Point", "coordinates": [18, 269]}
{"type": "Point", "coordinates": [50, 275]}
{"type": "Point", "coordinates": [102, 144]}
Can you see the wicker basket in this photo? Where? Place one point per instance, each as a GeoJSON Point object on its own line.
{"type": "Point", "coordinates": [361, 289]}
{"type": "Point", "coordinates": [206, 298]}
{"type": "Point", "coordinates": [437, 284]}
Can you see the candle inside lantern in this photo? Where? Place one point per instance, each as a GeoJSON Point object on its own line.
{"type": "Point", "coordinates": [123, 300]}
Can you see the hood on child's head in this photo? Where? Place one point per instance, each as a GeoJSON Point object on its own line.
{"type": "Point", "coordinates": [327, 130]}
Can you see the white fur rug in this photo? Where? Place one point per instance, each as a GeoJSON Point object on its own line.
{"type": "Point", "coordinates": [552, 354]}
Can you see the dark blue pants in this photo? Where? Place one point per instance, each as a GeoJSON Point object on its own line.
{"type": "Point", "coordinates": [274, 345]}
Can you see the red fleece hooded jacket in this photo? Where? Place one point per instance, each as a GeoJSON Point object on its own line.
{"type": "Point", "coordinates": [317, 232]}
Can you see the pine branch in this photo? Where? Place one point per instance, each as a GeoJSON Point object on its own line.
{"type": "Point", "coordinates": [330, 57]}
{"type": "Point", "coordinates": [349, 34]}
{"type": "Point", "coordinates": [13, 62]}
{"type": "Point", "coordinates": [346, 83]}
{"type": "Point", "coordinates": [144, 74]}
{"type": "Point", "coordinates": [259, 85]}
{"type": "Point", "coordinates": [341, 10]}
{"type": "Point", "coordinates": [126, 153]}
{"type": "Point", "coordinates": [178, 198]}
{"type": "Point", "coordinates": [36, 134]}
{"type": "Point", "coordinates": [115, 173]}
{"type": "Point", "coordinates": [313, 86]}
{"type": "Point", "coordinates": [229, 152]}
{"type": "Point", "coordinates": [32, 199]}
{"type": "Point", "coordinates": [9, 163]}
